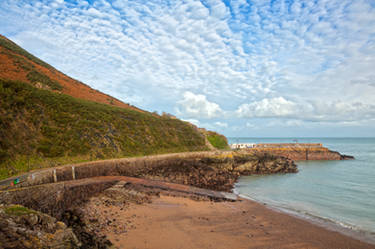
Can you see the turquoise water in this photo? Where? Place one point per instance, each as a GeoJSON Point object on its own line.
{"type": "Point", "coordinates": [342, 192]}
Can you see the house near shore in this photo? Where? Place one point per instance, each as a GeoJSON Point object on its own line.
{"type": "Point", "coordinates": [242, 146]}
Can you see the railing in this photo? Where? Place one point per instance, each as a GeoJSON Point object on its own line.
{"type": "Point", "coordinates": [276, 145]}
{"type": "Point", "coordinates": [287, 145]}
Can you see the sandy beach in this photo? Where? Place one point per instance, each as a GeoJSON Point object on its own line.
{"type": "Point", "coordinates": [179, 222]}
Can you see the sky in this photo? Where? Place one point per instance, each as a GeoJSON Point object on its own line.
{"type": "Point", "coordinates": [241, 68]}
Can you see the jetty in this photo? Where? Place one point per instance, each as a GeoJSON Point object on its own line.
{"type": "Point", "coordinates": [294, 151]}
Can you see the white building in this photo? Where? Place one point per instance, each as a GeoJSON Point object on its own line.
{"type": "Point", "coordinates": [242, 146]}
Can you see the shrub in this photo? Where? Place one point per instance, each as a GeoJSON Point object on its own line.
{"type": "Point", "coordinates": [217, 140]}
{"type": "Point", "coordinates": [35, 76]}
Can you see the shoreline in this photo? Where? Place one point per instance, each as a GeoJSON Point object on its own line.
{"type": "Point", "coordinates": [168, 219]}
{"type": "Point", "coordinates": [325, 223]}
{"type": "Point", "coordinates": [175, 185]}
{"type": "Point", "coordinates": [139, 213]}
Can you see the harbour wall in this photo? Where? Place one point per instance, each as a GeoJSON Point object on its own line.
{"type": "Point", "coordinates": [213, 170]}
{"type": "Point", "coordinates": [298, 151]}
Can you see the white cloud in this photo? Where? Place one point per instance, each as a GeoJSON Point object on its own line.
{"type": "Point", "coordinates": [197, 106]}
{"type": "Point", "coordinates": [265, 108]}
{"type": "Point", "coordinates": [193, 121]}
{"type": "Point", "coordinates": [250, 125]}
{"type": "Point", "coordinates": [316, 111]}
{"type": "Point", "coordinates": [218, 9]}
{"type": "Point", "coordinates": [293, 123]}
{"type": "Point", "coordinates": [318, 55]}
{"type": "Point", "coordinates": [221, 124]}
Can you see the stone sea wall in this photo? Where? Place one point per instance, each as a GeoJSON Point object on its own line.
{"type": "Point", "coordinates": [212, 170]}
{"type": "Point", "coordinates": [302, 153]}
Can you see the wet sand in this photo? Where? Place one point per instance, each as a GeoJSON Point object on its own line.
{"type": "Point", "coordinates": [180, 222]}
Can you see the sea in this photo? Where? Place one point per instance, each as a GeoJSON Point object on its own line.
{"type": "Point", "coordinates": [339, 195]}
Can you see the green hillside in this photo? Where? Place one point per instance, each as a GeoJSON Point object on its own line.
{"type": "Point", "coordinates": [217, 140]}
{"type": "Point", "coordinates": [41, 128]}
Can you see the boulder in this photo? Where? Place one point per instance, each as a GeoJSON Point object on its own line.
{"type": "Point", "coordinates": [21, 227]}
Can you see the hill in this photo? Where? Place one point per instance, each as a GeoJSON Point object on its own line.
{"type": "Point", "coordinates": [19, 65]}
{"type": "Point", "coordinates": [48, 119]}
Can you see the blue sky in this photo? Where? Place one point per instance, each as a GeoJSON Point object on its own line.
{"type": "Point", "coordinates": [243, 68]}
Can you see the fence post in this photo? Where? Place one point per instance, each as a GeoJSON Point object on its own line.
{"type": "Point", "coordinates": [73, 173]}
{"type": "Point", "coordinates": [54, 176]}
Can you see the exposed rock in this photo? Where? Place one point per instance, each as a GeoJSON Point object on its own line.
{"type": "Point", "coordinates": [21, 227]}
{"type": "Point", "coordinates": [97, 214]}
{"type": "Point", "coordinates": [347, 157]}
{"type": "Point", "coordinates": [264, 163]}
{"type": "Point", "coordinates": [219, 172]}
{"type": "Point", "coordinates": [85, 232]}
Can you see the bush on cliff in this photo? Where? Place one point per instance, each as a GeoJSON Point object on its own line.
{"type": "Point", "coordinates": [217, 140]}
{"type": "Point", "coordinates": [36, 77]}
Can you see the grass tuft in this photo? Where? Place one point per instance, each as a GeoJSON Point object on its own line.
{"type": "Point", "coordinates": [17, 210]}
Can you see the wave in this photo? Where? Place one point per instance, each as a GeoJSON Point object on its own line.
{"type": "Point", "coordinates": [325, 222]}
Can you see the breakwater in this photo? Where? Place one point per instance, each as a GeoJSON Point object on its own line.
{"type": "Point", "coordinates": [294, 151]}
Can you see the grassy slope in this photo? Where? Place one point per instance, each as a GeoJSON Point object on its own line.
{"type": "Point", "coordinates": [38, 127]}
{"type": "Point", "coordinates": [217, 140]}
{"type": "Point", "coordinates": [19, 65]}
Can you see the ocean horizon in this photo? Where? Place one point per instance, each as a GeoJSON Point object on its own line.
{"type": "Point", "coordinates": [337, 192]}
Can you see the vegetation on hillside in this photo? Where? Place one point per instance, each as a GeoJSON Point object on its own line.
{"type": "Point", "coordinates": [4, 42]}
{"type": "Point", "coordinates": [19, 65]}
{"type": "Point", "coordinates": [36, 77]}
{"type": "Point", "coordinates": [39, 126]}
{"type": "Point", "coordinates": [217, 140]}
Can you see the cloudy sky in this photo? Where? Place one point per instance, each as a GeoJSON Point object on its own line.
{"type": "Point", "coordinates": [243, 68]}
